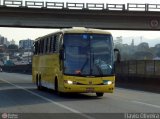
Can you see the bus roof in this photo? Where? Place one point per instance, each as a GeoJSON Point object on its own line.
{"type": "Point", "coordinates": [77, 30]}
{"type": "Point", "coordinates": [84, 30]}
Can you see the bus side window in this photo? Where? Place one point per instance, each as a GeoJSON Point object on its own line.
{"type": "Point", "coordinates": [39, 47]}
{"type": "Point", "coordinates": [42, 46]}
{"type": "Point", "coordinates": [35, 47]}
{"type": "Point", "coordinates": [58, 41]}
{"type": "Point", "coordinates": [51, 45]}
{"type": "Point", "coordinates": [46, 45]}
{"type": "Point", "coordinates": [56, 44]}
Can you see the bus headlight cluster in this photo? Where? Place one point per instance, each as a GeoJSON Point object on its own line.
{"type": "Point", "coordinates": [107, 82]}
{"type": "Point", "coordinates": [69, 82]}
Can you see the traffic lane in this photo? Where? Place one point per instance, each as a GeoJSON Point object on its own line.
{"type": "Point", "coordinates": [16, 78]}
{"type": "Point", "coordinates": [115, 102]}
{"type": "Point", "coordinates": [13, 99]}
{"type": "Point", "coordinates": [139, 96]}
{"type": "Point", "coordinates": [18, 99]}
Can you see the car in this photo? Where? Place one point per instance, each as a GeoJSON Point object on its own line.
{"type": "Point", "coordinates": [1, 70]}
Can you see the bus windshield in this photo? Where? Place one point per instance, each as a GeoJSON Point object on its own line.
{"type": "Point", "coordinates": [88, 54]}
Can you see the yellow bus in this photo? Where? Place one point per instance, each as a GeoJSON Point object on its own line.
{"type": "Point", "coordinates": [78, 60]}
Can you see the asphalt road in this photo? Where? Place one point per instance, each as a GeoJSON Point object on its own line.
{"type": "Point", "coordinates": [18, 95]}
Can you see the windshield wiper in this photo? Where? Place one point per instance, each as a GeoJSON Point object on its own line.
{"type": "Point", "coordinates": [97, 66]}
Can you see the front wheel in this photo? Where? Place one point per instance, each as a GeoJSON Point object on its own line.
{"type": "Point", "coordinates": [56, 88]}
{"type": "Point", "coordinates": [99, 94]}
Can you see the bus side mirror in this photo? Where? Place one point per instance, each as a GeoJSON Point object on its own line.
{"type": "Point", "coordinates": [118, 55]}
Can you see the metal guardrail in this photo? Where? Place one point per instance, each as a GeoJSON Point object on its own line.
{"type": "Point", "coordinates": [81, 6]}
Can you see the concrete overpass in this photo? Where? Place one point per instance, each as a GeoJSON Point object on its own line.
{"type": "Point", "coordinates": [60, 15]}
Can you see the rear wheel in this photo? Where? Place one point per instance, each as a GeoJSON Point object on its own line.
{"type": "Point", "coordinates": [99, 94]}
{"type": "Point", "coordinates": [38, 82]}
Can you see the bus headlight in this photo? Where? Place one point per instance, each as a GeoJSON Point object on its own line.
{"type": "Point", "coordinates": [69, 82]}
{"type": "Point", "coordinates": [106, 82]}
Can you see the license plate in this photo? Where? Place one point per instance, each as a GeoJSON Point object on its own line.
{"type": "Point", "coordinates": [89, 89]}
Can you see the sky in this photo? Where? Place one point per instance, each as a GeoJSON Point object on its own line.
{"type": "Point", "coordinates": [32, 33]}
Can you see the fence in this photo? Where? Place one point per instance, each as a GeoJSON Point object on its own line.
{"type": "Point", "coordinates": [140, 74]}
{"type": "Point", "coordinates": [144, 68]}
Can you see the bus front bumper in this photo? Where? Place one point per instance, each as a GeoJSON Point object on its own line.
{"type": "Point", "coordinates": [88, 88]}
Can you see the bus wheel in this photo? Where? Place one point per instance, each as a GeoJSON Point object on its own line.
{"type": "Point", "coordinates": [56, 88]}
{"type": "Point", "coordinates": [38, 82]}
{"type": "Point", "coordinates": [99, 94]}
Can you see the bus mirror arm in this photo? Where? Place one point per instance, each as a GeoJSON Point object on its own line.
{"type": "Point", "coordinates": [118, 55]}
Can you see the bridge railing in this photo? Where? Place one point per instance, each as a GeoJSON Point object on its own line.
{"type": "Point", "coordinates": [137, 7]}
{"type": "Point", "coordinates": [75, 5]}
{"type": "Point", "coordinates": [153, 7]}
{"type": "Point", "coordinates": [81, 6]}
{"type": "Point", "coordinates": [34, 4]}
{"type": "Point", "coordinates": [115, 7]}
{"type": "Point", "coordinates": [55, 5]}
{"type": "Point", "coordinates": [95, 6]}
{"type": "Point", "coordinates": [12, 3]}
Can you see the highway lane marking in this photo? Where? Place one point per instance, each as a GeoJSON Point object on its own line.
{"type": "Point", "coordinates": [133, 90]}
{"type": "Point", "coordinates": [147, 104]}
{"type": "Point", "coordinates": [51, 101]}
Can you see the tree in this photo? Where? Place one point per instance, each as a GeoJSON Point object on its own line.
{"type": "Point", "coordinates": [143, 55]}
{"type": "Point", "coordinates": [143, 46]}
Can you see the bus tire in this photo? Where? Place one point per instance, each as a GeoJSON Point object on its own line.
{"type": "Point", "coordinates": [56, 88]}
{"type": "Point", "coordinates": [56, 85]}
{"type": "Point", "coordinates": [99, 94]}
{"type": "Point", "coordinates": [40, 84]}
{"type": "Point", "coordinates": [37, 82]}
